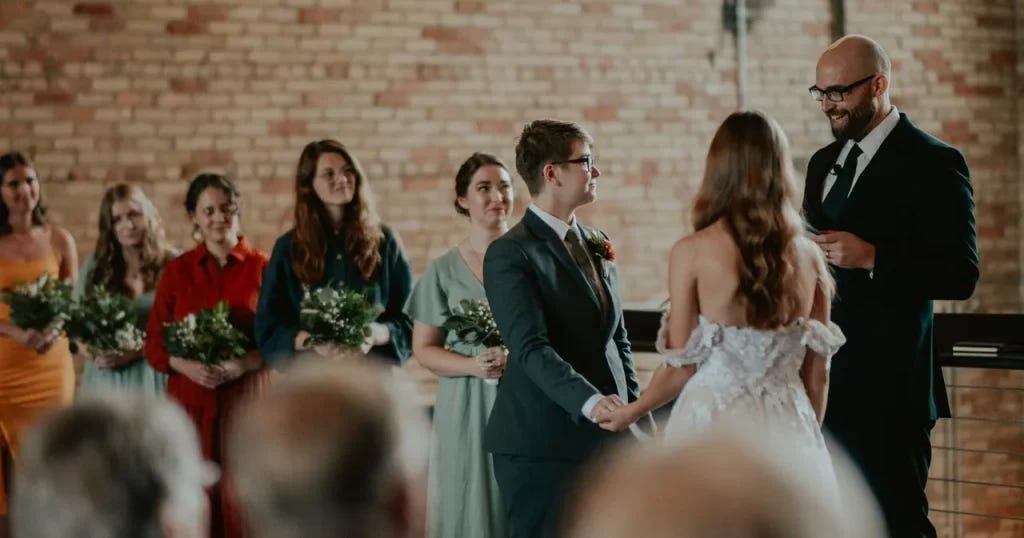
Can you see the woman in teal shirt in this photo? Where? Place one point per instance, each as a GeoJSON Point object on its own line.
{"type": "Point", "coordinates": [463, 495]}
{"type": "Point", "coordinates": [337, 238]}
{"type": "Point", "coordinates": [130, 254]}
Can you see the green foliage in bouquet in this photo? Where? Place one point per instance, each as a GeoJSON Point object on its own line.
{"type": "Point", "coordinates": [336, 315]}
{"type": "Point", "coordinates": [104, 321]}
{"type": "Point", "coordinates": [206, 336]}
{"type": "Point", "coordinates": [472, 322]}
{"type": "Point", "coordinates": [39, 305]}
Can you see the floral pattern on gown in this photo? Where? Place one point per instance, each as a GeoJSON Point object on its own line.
{"type": "Point", "coordinates": [752, 376]}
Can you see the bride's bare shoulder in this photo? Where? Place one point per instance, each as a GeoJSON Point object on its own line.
{"type": "Point", "coordinates": [702, 244]}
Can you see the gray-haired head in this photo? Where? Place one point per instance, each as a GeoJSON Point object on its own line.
{"type": "Point", "coordinates": [332, 449]}
{"type": "Point", "coordinates": [119, 466]}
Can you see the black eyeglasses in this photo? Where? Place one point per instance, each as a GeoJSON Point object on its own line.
{"type": "Point", "coordinates": [587, 161]}
{"type": "Point", "coordinates": [836, 94]}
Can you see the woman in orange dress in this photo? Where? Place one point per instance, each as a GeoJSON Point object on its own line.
{"type": "Point", "coordinates": [36, 372]}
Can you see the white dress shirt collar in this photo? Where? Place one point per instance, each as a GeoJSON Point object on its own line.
{"type": "Point", "coordinates": [558, 225]}
{"type": "Point", "coordinates": [872, 141]}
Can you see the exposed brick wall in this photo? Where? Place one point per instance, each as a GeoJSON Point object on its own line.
{"type": "Point", "coordinates": [154, 91]}
{"type": "Point", "coordinates": [143, 91]}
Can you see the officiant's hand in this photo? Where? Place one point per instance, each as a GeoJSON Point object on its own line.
{"type": "Point", "coordinates": [845, 250]}
{"type": "Point", "coordinates": [617, 419]}
{"type": "Point", "coordinates": [490, 363]}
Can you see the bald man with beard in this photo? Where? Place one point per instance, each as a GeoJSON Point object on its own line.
{"type": "Point", "coordinates": [892, 209]}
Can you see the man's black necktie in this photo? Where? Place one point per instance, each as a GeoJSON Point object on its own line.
{"type": "Point", "coordinates": [836, 198]}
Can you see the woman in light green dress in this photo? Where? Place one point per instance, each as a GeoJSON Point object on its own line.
{"type": "Point", "coordinates": [130, 254]}
{"type": "Point", "coordinates": [463, 496]}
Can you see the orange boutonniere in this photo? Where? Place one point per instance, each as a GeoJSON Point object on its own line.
{"type": "Point", "coordinates": [599, 246]}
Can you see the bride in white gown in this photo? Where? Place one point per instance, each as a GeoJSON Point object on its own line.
{"type": "Point", "coordinates": [747, 338]}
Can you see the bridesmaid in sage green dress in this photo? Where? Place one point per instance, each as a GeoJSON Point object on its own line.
{"type": "Point", "coordinates": [130, 254]}
{"type": "Point", "coordinates": [463, 495]}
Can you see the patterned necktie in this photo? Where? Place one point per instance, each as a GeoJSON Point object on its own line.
{"type": "Point", "coordinates": [586, 264]}
{"type": "Point", "coordinates": [836, 198]}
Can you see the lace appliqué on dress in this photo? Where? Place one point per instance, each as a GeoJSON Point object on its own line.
{"type": "Point", "coordinates": [822, 339]}
{"type": "Point", "coordinates": [697, 349]}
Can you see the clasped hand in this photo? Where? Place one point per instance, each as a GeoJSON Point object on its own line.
{"type": "Point", "coordinates": [39, 341]}
{"type": "Point", "coordinates": [111, 360]}
{"type": "Point", "coordinates": [612, 414]}
{"type": "Point", "coordinates": [491, 362]}
{"type": "Point", "coordinates": [212, 376]}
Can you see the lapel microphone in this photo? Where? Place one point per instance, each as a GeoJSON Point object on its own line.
{"type": "Point", "coordinates": [836, 169]}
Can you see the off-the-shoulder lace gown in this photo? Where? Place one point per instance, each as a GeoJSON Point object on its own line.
{"type": "Point", "coordinates": [752, 377]}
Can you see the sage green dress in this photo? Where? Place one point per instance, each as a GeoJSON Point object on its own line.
{"type": "Point", "coordinates": [463, 496]}
{"type": "Point", "coordinates": [136, 377]}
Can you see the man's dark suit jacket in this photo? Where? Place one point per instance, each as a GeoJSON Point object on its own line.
{"type": "Point", "coordinates": [914, 203]}
{"type": "Point", "coordinates": [559, 344]}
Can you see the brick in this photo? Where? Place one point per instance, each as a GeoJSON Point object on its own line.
{"type": "Point", "coordinates": [188, 85]}
{"type": "Point", "coordinates": [93, 9]}
{"type": "Point", "coordinates": [393, 99]}
{"type": "Point", "coordinates": [288, 127]}
{"type": "Point", "coordinates": [207, 13]}
{"type": "Point", "coordinates": [188, 27]}
{"type": "Point", "coordinates": [318, 15]}
{"type": "Point", "coordinates": [28, 54]}
{"type": "Point", "coordinates": [53, 97]}
{"type": "Point", "coordinates": [75, 114]}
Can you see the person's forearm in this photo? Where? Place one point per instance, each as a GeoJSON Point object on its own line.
{"type": "Point", "coordinates": [665, 386]}
{"type": "Point", "coordinates": [444, 363]}
{"type": "Point", "coordinates": [814, 375]}
{"type": "Point", "coordinates": [818, 394]}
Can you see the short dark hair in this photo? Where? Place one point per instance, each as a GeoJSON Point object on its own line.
{"type": "Point", "coordinates": [204, 181]}
{"type": "Point", "coordinates": [475, 162]}
{"type": "Point", "coordinates": [541, 142]}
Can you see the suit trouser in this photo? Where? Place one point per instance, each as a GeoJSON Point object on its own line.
{"type": "Point", "coordinates": [534, 491]}
{"type": "Point", "coordinates": [894, 457]}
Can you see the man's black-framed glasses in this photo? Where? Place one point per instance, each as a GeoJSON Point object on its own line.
{"type": "Point", "coordinates": [587, 161]}
{"type": "Point", "coordinates": [836, 94]}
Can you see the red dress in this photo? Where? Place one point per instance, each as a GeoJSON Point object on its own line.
{"type": "Point", "coordinates": [189, 283]}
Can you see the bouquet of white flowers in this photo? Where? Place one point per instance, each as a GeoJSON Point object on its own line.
{"type": "Point", "coordinates": [473, 323]}
{"type": "Point", "coordinates": [42, 304]}
{"type": "Point", "coordinates": [207, 336]}
{"type": "Point", "coordinates": [334, 315]}
{"type": "Point", "coordinates": [104, 322]}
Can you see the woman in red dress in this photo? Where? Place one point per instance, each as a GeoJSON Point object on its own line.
{"type": "Point", "coordinates": [223, 267]}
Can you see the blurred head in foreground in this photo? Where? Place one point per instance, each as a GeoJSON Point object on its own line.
{"type": "Point", "coordinates": [719, 485]}
{"type": "Point", "coordinates": [335, 448]}
{"type": "Point", "coordinates": [119, 466]}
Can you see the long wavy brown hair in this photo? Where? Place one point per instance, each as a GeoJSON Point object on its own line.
{"type": "Point", "coordinates": [749, 184]}
{"type": "Point", "coordinates": [313, 228]}
{"type": "Point", "coordinates": [110, 268]}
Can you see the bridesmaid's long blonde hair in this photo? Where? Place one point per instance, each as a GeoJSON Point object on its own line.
{"type": "Point", "coordinates": [749, 184]}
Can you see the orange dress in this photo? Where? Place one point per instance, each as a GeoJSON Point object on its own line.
{"type": "Point", "coordinates": [30, 384]}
